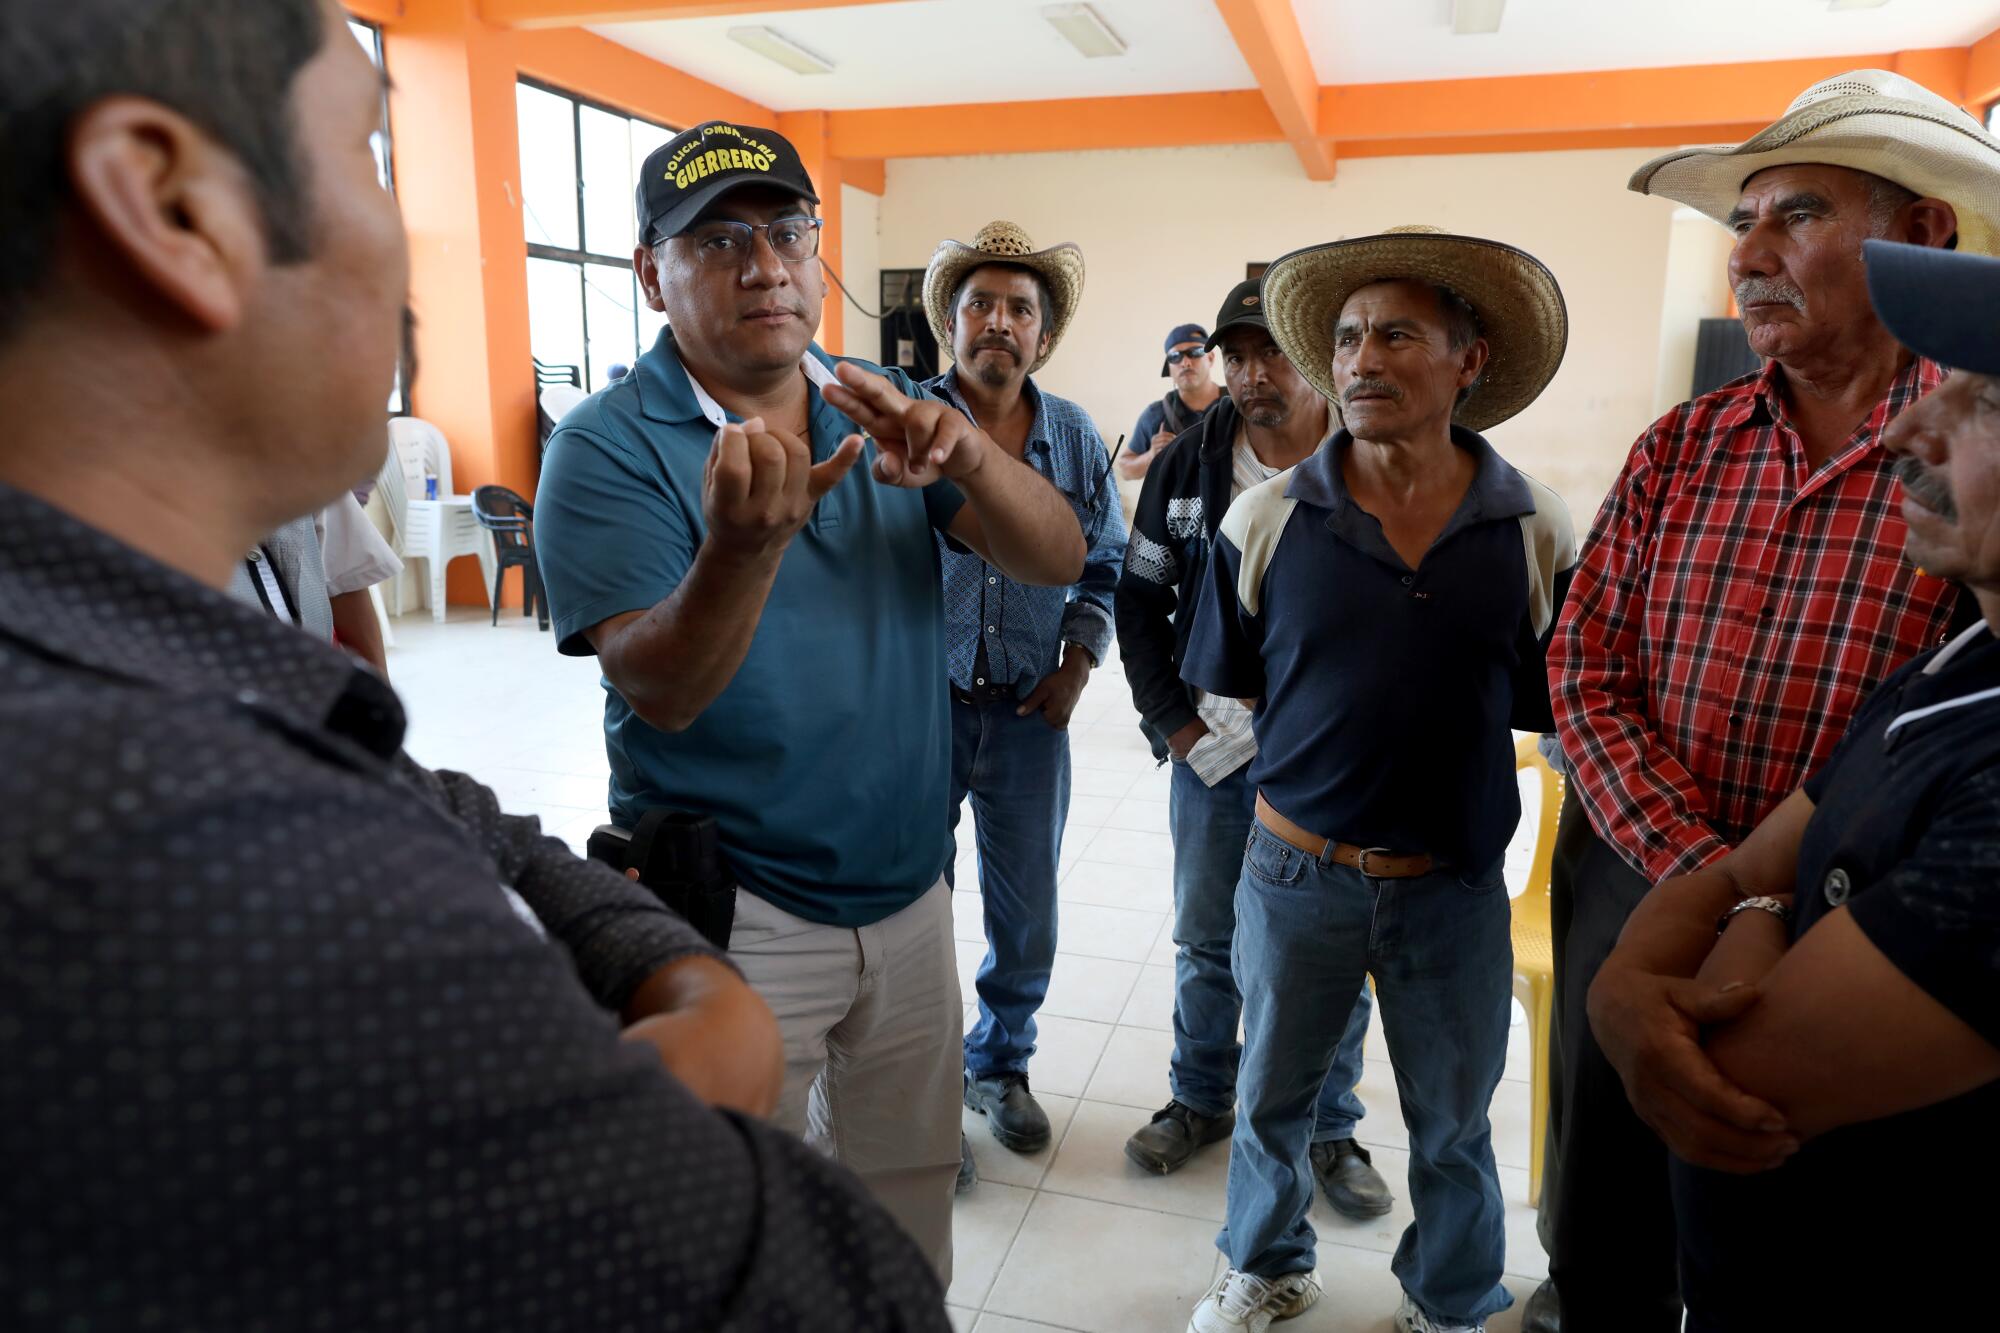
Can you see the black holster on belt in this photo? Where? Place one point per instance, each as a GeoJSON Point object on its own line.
{"type": "Point", "coordinates": [679, 857]}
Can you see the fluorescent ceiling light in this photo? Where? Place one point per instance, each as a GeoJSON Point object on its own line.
{"type": "Point", "coordinates": [1837, 5]}
{"type": "Point", "coordinates": [1083, 29]}
{"type": "Point", "coordinates": [1471, 17]}
{"type": "Point", "coordinates": [774, 46]}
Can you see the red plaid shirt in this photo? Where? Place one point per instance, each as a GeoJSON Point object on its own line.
{"type": "Point", "coordinates": [1731, 611]}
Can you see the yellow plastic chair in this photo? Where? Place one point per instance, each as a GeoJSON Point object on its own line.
{"type": "Point", "coordinates": [1534, 956]}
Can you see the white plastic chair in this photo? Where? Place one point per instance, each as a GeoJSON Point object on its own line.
{"type": "Point", "coordinates": [435, 531]}
{"type": "Point", "coordinates": [558, 399]}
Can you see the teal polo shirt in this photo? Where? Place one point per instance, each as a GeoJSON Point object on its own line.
{"type": "Point", "coordinates": [825, 761]}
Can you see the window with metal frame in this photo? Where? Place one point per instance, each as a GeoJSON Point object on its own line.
{"type": "Point", "coordinates": [579, 164]}
{"type": "Point", "coordinates": [370, 38]}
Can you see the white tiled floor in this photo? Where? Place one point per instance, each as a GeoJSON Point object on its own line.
{"type": "Point", "coordinates": [1073, 1237]}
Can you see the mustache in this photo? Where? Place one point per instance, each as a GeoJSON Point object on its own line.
{"type": "Point", "coordinates": [1758, 291]}
{"type": "Point", "coordinates": [1932, 491]}
{"type": "Point", "coordinates": [998, 345]}
{"type": "Point", "coordinates": [1361, 386]}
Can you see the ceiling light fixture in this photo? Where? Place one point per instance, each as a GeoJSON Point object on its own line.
{"type": "Point", "coordinates": [1837, 5]}
{"type": "Point", "coordinates": [1473, 17]}
{"type": "Point", "coordinates": [1083, 29]}
{"type": "Point", "coordinates": [779, 49]}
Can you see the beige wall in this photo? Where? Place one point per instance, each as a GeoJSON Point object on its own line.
{"type": "Point", "coordinates": [1166, 232]}
{"type": "Point", "coordinates": [860, 252]}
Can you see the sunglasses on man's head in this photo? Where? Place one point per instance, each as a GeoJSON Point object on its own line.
{"type": "Point", "coordinates": [1192, 354]}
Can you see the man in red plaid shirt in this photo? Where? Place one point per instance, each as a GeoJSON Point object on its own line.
{"type": "Point", "coordinates": [1741, 592]}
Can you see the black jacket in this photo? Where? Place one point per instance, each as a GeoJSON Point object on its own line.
{"type": "Point", "coordinates": [1180, 510]}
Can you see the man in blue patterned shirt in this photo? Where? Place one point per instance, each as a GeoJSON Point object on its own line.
{"type": "Point", "coordinates": [1018, 656]}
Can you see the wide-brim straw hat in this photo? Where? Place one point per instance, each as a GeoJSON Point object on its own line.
{"type": "Point", "coordinates": [1868, 120]}
{"type": "Point", "coordinates": [1061, 266]}
{"type": "Point", "coordinates": [1520, 308]}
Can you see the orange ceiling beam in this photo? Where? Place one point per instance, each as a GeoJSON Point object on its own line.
{"type": "Point", "coordinates": [1172, 120]}
{"type": "Point", "coordinates": [1982, 72]}
{"type": "Point", "coordinates": [576, 13]}
{"type": "Point", "coordinates": [1610, 108]}
{"type": "Point", "coordinates": [585, 63]}
{"type": "Point", "coordinates": [1267, 33]}
{"type": "Point", "coordinates": [868, 174]}
{"type": "Point", "coordinates": [1681, 99]}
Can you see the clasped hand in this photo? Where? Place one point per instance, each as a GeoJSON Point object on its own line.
{"type": "Point", "coordinates": [1649, 1027]}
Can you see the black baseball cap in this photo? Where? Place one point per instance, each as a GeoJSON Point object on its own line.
{"type": "Point", "coordinates": [691, 170]}
{"type": "Point", "coordinates": [1943, 304]}
{"type": "Point", "coordinates": [1244, 307]}
{"type": "Point", "coordinates": [1182, 333]}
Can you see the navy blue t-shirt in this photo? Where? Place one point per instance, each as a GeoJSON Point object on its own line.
{"type": "Point", "coordinates": [1385, 694]}
{"type": "Point", "coordinates": [1905, 834]}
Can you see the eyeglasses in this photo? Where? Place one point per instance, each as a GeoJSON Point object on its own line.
{"type": "Point", "coordinates": [727, 244]}
{"type": "Point", "coordinates": [1175, 358]}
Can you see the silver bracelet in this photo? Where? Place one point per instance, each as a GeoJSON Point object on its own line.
{"type": "Point", "coordinates": [1757, 904]}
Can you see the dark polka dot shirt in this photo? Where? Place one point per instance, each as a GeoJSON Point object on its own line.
{"type": "Point", "coordinates": [277, 1053]}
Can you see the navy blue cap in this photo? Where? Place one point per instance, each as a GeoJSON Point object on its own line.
{"type": "Point", "coordinates": [690, 171]}
{"type": "Point", "coordinates": [1943, 304]}
{"type": "Point", "coordinates": [1182, 333]}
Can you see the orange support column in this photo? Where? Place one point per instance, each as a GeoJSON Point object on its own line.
{"type": "Point", "coordinates": [808, 131]}
{"type": "Point", "coordinates": [457, 179]}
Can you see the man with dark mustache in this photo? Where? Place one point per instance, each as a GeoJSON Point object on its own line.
{"type": "Point", "coordinates": [1843, 953]}
{"type": "Point", "coordinates": [1018, 657]}
{"type": "Point", "coordinates": [771, 632]}
{"type": "Point", "coordinates": [1270, 420]}
{"type": "Point", "coordinates": [1385, 606]}
{"type": "Point", "coordinates": [1741, 592]}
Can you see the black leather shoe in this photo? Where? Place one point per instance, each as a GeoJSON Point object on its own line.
{"type": "Point", "coordinates": [1173, 1134]}
{"type": "Point", "coordinates": [1544, 1312]}
{"type": "Point", "coordinates": [968, 1171]}
{"type": "Point", "coordinates": [1348, 1175]}
{"type": "Point", "coordinates": [1017, 1119]}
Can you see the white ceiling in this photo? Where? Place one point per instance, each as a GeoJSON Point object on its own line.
{"type": "Point", "coordinates": [930, 52]}
{"type": "Point", "coordinates": [1356, 41]}
{"type": "Point", "coordinates": [933, 52]}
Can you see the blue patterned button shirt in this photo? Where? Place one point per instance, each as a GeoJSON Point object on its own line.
{"type": "Point", "coordinates": [1023, 629]}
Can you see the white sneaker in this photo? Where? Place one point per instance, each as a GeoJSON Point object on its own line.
{"type": "Point", "coordinates": [1412, 1319]}
{"type": "Point", "coordinates": [1242, 1303]}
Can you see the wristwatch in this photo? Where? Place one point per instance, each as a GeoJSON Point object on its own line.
{"type": "Point", "coordinates": [1757, 904]}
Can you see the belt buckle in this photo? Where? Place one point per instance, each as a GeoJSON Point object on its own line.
{"type": "Point", "coordinates": [1367, 852]}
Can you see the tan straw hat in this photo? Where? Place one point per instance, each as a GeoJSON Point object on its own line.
{"type": "Point", "coordinates": [1061, 266]}
{"type": "Point", "coordinates": [1868, 120]}
{"type": "Point", "coordinates": [1520, 308]}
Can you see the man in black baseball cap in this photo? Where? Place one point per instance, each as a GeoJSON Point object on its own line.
{"type": "Point", "coordinates": [1270, 420]}
{"type": "Point", "coordinates": [1191, 368]}
{"type": "Point", "coordinates": [696, 167]}
{"type": "Point", "coordinates": [770, 626]}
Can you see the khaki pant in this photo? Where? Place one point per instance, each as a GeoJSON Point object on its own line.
{"type": "Point", "coordinates": [873, 1028]}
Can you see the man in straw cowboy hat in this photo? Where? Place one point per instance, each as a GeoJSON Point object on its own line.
{"type": "Point", "coordinates": [1867, 1019]}
{"type": "Point", "coordinates": [1018, 657]}
{"type": "Point", "coordinates": [1384, 607]}
{"type": "Point", "coordinates": [1741, 592]}
{"type": "Point", "coordinates": [771, 635]}
{"type": "Point", "coordinates": [1271, 420]}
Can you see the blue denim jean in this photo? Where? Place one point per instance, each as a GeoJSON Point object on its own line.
{"type": "Point", "coordinates": [1210, 826]}
{"type": "Point", "coordinates": [1439, 950]}
{"type": "Point", "coordinates": [1017, 772]}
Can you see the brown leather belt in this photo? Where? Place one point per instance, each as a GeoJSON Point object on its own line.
{"type": "Point", "coordinates": [1375, 862]}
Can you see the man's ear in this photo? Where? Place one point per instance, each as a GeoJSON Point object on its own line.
{"type": "Point", "coordinates": [171, 205]}
{"type": "Point", "coordinates": [1474, 364]}
{"type": "Point", "coordinates": [1931, 222]}
{"type": "Point", "coordinates": [647, 269]}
